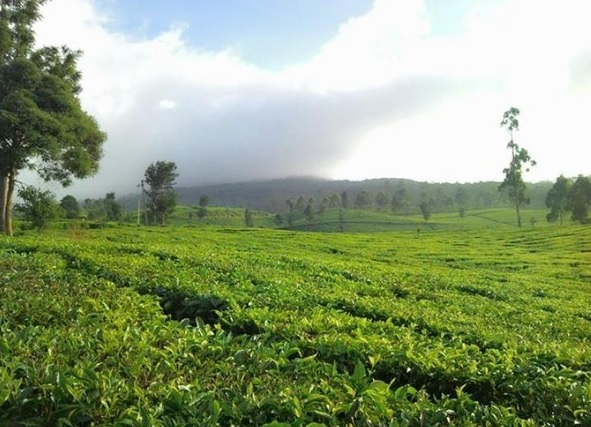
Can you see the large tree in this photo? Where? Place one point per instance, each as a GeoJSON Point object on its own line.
{"type": "Point", "coordinates": [42, 124]}
{"type": "Point", "coordinates": [557, 199]}
{"type": "Point", "coordinates": [513, 182]}
{"type": "Point", "coordinates": [160, 178]}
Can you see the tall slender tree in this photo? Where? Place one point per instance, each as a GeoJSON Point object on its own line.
{"type": "Point", "coordinates": [513, 182]}
{"type": "Point", "coordinates": [42, 123]}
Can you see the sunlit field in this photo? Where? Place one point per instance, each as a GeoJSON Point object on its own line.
{"type": "Point", "coordinates": [468, 322]}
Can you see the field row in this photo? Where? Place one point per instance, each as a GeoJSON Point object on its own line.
{"type": "Point", "coordinates": [385, 329]}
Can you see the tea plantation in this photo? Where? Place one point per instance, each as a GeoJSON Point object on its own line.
{"type": "Point", "coordinates": [184, 326]}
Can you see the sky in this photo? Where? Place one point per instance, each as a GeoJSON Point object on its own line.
{"type": "Point", "coordinates": [240, 90]}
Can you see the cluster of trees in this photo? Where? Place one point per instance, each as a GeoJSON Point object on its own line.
{"type": "Point", "coordinates": [105, 209]}
{"type": "Point", "coordinates": [306, 208]}
{"type": "Point", "coordinates": [39, 207]}
{"type": "Point", "coordinates": [566, 195]}
{"type": "Point", "coordinates": [570, 195]}
{"type": "Point", "coordinates": [399, 196]}
{"type": "Point", "coordinates": [401, 202]}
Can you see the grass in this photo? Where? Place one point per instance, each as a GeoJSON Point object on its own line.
{"type": "Point", "coordinates": [359, 220]}
{"type": "Point", "coordinates": [474, 322]}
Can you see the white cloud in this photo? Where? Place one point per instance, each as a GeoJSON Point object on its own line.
{"type": "Point", "coordinates": [529, 54]}
{"type": "Point", "coordinates": [384, 97]}
{"type": "Point", "coordinates": [166, 104]}
{"type": "Point", "coordinates": [369, 51]}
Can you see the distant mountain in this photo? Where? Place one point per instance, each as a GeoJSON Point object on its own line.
{"type": "Point", "coordinates": [271, 195]}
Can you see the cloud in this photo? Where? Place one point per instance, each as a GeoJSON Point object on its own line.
{"type": "Point", "coordinates": [369, 50]}
{"type": "Point", "coordinates": [385, 96]}
{"type": "Point", "coordinates": [166, 104]}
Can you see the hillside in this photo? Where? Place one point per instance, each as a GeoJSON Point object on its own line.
{"type": "Point", "coordinates": [271, 196]}
{"type": "Point", "coordinates": [354, 220]}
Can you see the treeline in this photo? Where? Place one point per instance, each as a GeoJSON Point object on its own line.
{"type": "Point", "coordinates": [395, 195]}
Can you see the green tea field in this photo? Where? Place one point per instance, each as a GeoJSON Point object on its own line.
{"type": "Point", "coordinates": [189, 326]}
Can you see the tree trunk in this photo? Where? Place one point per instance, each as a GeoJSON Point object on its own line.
{"type": "Point", "coordinates": [8, 207]}
{"type": "Point", "coordinates": [3, 193]}
{"type": "Point", "coordinates": [518, 215]}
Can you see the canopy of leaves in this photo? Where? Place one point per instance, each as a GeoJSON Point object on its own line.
{"type": "Point", "coordinates": [37, 206]}
{"type": "Point", "coordinates": [42, 124]}
{"type": "Point", "coordinates": [113, 209]}
{"type": "Point", "coordinates": [557, 199]}
{"type": "Point", "coordinates": [70, 206]}
{"type": "Point", "coordinates": [426, 207]}
{"type": "Point", "coordinates": [579, 199]}
{"type": "Point", "coordinates": [160, 177]}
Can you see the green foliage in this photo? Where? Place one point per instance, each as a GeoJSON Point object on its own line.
{"type": "Point", "coordinates": [248, 221]}
{"type": "Point", "coordinates": [363, 200]}
{"type": "Point", "coordinates": [557, 199]}
{"type": "Point", "coordinates": [106, 209]}
{"type": "Point", "coordinates": [300, 205]}
{"type": "Point", "coordinates": [400, 201]}
{"type": "Point", "coordinates": [513, 182]}
{"type": "Point", "coordinates": [113, 209]}
{"type": "Point", "coordinates": [579, 199]}
{"type": "Point", "coordinates": [461, 198]}
{"type": "Point", "coordinates": [42, 124]}
{"type": "Point", "coordinates": [202, 210]}
{"type": "Point", "coordinates": [426, 208]}
{"type": "Point", "coordinates": [38, 207]}
{"type": "Point", "coordinates": [70, 206]}
{"type": "Point", "coordinates": [344, 199]}
{"type": "Point", "coordinates": [381, 201]}
{"type": "Point", "coordinates": [203, 201]}
{"type": "Point", "coordinates": [216, 217]}
{"type": "Point", "coordinates": [309, 210]}
{"type": "Point", "coordinates": [95, 209]}
{"type": "Point", "coordinates": [160, 177]}
{"type": "Point", "coordinates": [273, 327]}
{"type": "Point", "coordinates": [272, 196]}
